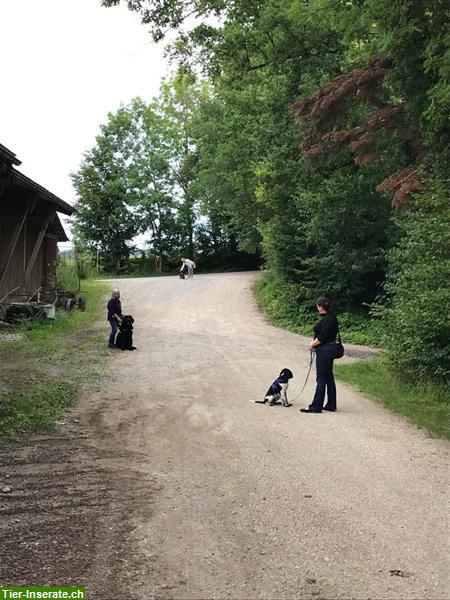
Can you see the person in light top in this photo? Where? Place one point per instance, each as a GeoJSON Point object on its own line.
{"type": "Point", "coordinates": [190, 265]}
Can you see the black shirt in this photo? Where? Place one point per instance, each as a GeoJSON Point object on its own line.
{"type": "Point", "coordinates": [114, 308]}
{"type": "Point", "coordinates": [326, 329]}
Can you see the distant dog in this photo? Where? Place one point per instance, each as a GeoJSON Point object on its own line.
{"type": "Point", "coordinates": [124, 339]}
{"type": "Point", "coordinates": [182, 276]}
{"type": "Point", "coordinates": [278, 390]}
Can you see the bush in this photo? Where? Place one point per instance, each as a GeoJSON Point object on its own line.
{"type": "Point", "coordinates": [330, 237]}
{"type": "Point", "coordinates": [84, 266]}
{"type": "Point", "coordinates": [73, 267]}
{"type": "Point", "coordinates": [66, 273]}
{"type": "Point", "coordinates": [284, 306]}
{"type": "Point", "coordinates": [418, 305]}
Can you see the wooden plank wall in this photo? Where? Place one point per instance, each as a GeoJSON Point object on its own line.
{"type": "Point", "coordinates": [15, 274]}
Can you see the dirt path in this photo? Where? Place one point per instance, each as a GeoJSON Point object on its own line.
{"type": "Point", "coordinates": [171, 484]}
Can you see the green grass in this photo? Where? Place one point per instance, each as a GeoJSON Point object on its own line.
{"type": "Point", "coordinates": [36, 407]}
{"type": "Point", "coordinates": [43, 331]}
{"type": "Point", "coordinates": [424, 405]}
{"type": "Point", "coordinates": [44, 372]}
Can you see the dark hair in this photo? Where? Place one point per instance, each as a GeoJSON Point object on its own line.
{"type": "Point", "coordinates": [323, 302]}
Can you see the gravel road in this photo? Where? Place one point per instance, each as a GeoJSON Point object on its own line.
{"type": "Point", "coordinates": [170, 483]}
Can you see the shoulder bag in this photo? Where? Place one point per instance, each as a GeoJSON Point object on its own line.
{"type": "Point", "coordinates": [339, 346]}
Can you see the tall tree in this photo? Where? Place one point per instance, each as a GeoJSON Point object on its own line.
{"type": "Point", "coordinates": [125, 185]}
{"type": "Point", "coordinates": [150, 176]}
{"type": "Point", "coordinates": [104, 217]}
{"type": "Point", "coordinates": [178, 103]}
{"type": "Point", "coordinates": [404, 95]}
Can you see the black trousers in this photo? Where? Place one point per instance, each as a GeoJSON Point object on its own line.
{"type": "Point", "coordinates": [325, 355]}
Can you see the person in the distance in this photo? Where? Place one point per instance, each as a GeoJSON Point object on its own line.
{"type": "Point", "coordinates": [190, 265]}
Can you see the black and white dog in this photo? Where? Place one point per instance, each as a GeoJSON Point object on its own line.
{"type": "Point", "coordinates": [278, 390]}
{"type": "Point", "coordinates": [124, 339]}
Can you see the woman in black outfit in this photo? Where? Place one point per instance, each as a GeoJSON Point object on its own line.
{"type": "Point", "coordinates": [324, 344]}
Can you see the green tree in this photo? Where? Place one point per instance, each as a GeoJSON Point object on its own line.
{"type": "Point", "coordinates": [149, 151]}
{"type": "Point", "coordinates": [104, 216]}
{"type": "Point", "coordinates": [178, 104]}
{"type": "Point", "coordinates": [125, 186]}
{"type": "Point", "coordinates": [417, 309]}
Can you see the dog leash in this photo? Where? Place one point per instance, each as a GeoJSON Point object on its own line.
{"type": "Point", "coordinates": [311, 360]}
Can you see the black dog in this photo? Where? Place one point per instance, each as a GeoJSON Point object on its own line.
{"type": "Point", "coordinates": [124, 339]}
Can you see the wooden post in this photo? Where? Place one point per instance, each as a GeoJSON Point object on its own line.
{"type": "Point", "coordinates": [15, 237]}
{"type": "Point", "coordinates": [24, 246]}
{"type": "Point", "coordinates": [38, 244]}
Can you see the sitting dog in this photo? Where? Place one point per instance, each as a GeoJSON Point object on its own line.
{"type": "Point", "coordinates": [278, 390]}
{"type": "Point", "coordinates": [124, 339]}
{"type": "Point", "coordinates": [182, 276]}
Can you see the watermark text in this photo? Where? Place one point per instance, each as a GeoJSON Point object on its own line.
{"type": "Point", "coordinates": [42, 593]}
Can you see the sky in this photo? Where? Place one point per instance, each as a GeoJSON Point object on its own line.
{"type": "Point", "coordinates": [65, 65]}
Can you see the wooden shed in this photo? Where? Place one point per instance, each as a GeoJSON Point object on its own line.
{"type": "Point", "coordinates": [30, 230]}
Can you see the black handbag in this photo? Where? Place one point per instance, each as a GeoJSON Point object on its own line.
{"type": "Point", "coordinates": [339, 346]}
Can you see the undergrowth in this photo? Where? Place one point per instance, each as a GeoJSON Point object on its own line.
{"type": "Point", "coordinates": [281, 308]}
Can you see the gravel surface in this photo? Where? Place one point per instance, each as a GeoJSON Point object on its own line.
{"type": "Point", "coordinates": [171, 483]}
{"type": "Point", "coordinates": [11, 336]}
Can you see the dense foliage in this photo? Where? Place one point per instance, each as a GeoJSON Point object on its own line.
{"type": "Point", "coordinates": [318, 137]}
{"type": "Point", "coordinates": [417, 287]}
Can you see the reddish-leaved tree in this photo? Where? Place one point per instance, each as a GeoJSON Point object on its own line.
{"type": "Point", "coordinates": [318, 113]}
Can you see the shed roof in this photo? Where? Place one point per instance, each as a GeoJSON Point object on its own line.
{"type": "Point", "coordinates": [25, 182]}
{"type": "Point", "coordinates": [15, 177]}
{"type": "Point", "coordinates": [58, 229]}
{"type": "Point", "coordinates": [7, 155]}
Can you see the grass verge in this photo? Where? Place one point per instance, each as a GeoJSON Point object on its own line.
{"type": "Point", "coordinates": [424, 405]}
{"type": "Point", "coordinates": [36, 406]}
{"type": "Point", "coordinates": [42, 374]}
